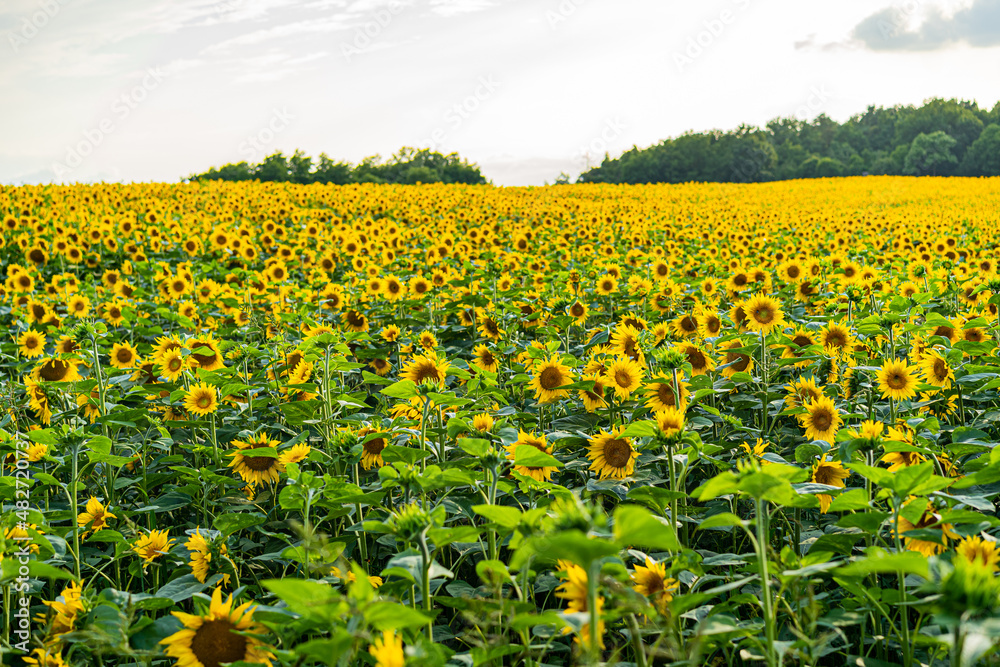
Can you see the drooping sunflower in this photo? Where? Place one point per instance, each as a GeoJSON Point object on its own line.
{"type": "Point", "coordinates": [549, 376]}
{"type": "Point", "coordinates": [936, 370]}
{"type": "Point", "coordinates": [205, 353]}
{"type": "Point", "coordinates": [485, 359]}
{"type": "Point", "coordinates": [821, 419]}
{"type": "Point", "coordinates": [381, 366]}
{"type": "Point", "coordinates": [256, 470]}
{"type": "Point", "coordinates": [390, 333]}
{"type": "Point", "coordinates": [575, 590]}
{"type": "Point", "coordinates": [425, 368]}
{"type": "Point", "coordinates": [623, 376]}
{"type": "Point", "coordinates": [685, 326]}
{"type": "Point", "coordinates": [651, 581]}
{"type": "Point", "coordinates": [594, 399]}
{"type": "Point", "coordinates": [738, 359]}
{"type": "Point", "coordinates": [763, 313]}
{"type": "Point", "coordinates": [896, 380]}
{"type": "Point", "coordinates": [984, 552]}
{"type": "Point", "coordinates": [660, 396]}
{"type": "Point", "coordinates": [201, 399]}
{"type": "Point", "coordinates": [801, 339]}
{"type": "Point", "coordinates": [701, 362]}
{"type": "Point", "coordinates": [56, 370]}
{"type": "Point", "coordinates": [201, 554]}
{"type": "Point", "coordinates": [831, 473]}
{"type": "Point", "coordinates": [371, 448]}
{"type": "Point", "coordinates": [124, 355]}
{"type": "Point", "coordinates": [625, 342]}
{"type": "Point", "coordinates": [31, 344]}
{"type": "Point", "coordinates": [669, 422]}
{"type": "Point", "coordinates": [928, 520]}
{"type": "Point", "coordinates": [612, 455]}
{"type": "Point", "coordinates": [211, 639]}
{"type": "Point", "coordinates": [802, 391]}
{"type": "Point", "coordinates": [153, 545]}
{"type": "Point", "coordinates": [489, 328]}
{"type": "Point", "coordinates": [538, 473]}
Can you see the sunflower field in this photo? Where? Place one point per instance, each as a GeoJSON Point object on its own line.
{"type": "Point", "coordinates": [714, 424]}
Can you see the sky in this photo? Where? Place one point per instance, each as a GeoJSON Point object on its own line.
{"type": "Point", "coordinates": [156, 90]}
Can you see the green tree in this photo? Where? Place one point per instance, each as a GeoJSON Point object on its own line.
{"type": "Point", "coordinates": [930, 153]}
{"type": "Point", "coordinates": [983, 156]}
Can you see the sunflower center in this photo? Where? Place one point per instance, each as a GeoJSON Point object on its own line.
{"type": "Point", "coordinates": [551, 378]}
{"type": "Point", "coordinates": [793, 272]}
{"type": "Point", "coordinates": [124, 356]}
{"type": "Point", "coordinates": [822, 419]}
{"type": "Point", "coordinates": [426, 370]}
{"type": "Point", "coordinates": [944, 332]}
{"type": "Point", "coordinates": [214, 643]}
{"type": "Point", "coordinates": [688, 324]}
{"type": "Point", "coordinates": [617, 453]}
{"type": "Point", "coordinates": [740, 280]}
{"type": "Point", "coordinates": [896, 381]}
{"type": "Point", "coordinates": [487, 358]}
{"type": "Point", "coordinates": [801, 341]}
{"type": "Point", "coordinates": [259, 463]}
{"type": "Point", "coordinates": [374, 447]}
{"type": "Point", "coordinates": [623, 378]}
{"type": "Point", "coordinates": [576, 310]}
{"type": "Point", "coordinates": [742, 361]}
{"type": "Point", "coordinates": [940, 369]}
{"type": "Point", "coordinates": [54, 370]}
{"type": "Point", "coordinates": [763, 315]}
{"type": "Point", "coordinates": [204, 401]}
{"type": "Point", "coordinates": [666, 394]}
{"type": "Point", "coordinates": [695, 358]}
{"type": "Point", "coordinates": [973, 335]}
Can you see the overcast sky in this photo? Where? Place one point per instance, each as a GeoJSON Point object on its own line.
{"type": "Point", "coordinates": [140, 90]}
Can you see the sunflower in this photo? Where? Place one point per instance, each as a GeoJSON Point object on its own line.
{"type": "Point", "coordinates": [575, 590]}
{"type": "Point", "coordinates": [651, 581]}
{"type": "Point", "coordinates": [56, 370]}
{"type": "Point", "coordinates": [578, 311]}
{"type": "Point", "coordinates": [45, 657]}
{"type": "Point", "coordinates": [201, 399]}
{"type": "Point", "coordinates": [756, 451]}
{"type": "Point", "coordinates": [685, 326]}
{"type": "Point", "coordinates": [38, 401]}
{"type": "Point", "coordinates": [172, 365]}
{"type": "Point", "coordinates": [802, 391]}
{"type": "Point", "coordinates": [701, 362]}
{"type": "Point", "coordinates": [390, 333]}
{"type": "Point", "coordinates": [124, 355]}
{"type": "Point", "coordinates": [538, 473]}
{"type": "Point", "coordinates": [764, 314]}
{"type": "Point", "coordinates": [594, 399]}
{"type": "Point", "coordinates": [624, 376]}
{"type": "Point", "coordinates": [660, 396]}
{"type": "Point", "coordinates": [201, 555]}
{"type": "Point", "coordinates": [381, 366]}
{"type": "Point", "coordinates": [354, 321]}
{"type": "Point", "coordinates": [371, 448]}
{"type": "Point", "coordinates": [799, 340]}
{"type": "Point", "coordinates": [709, 324]}
{"type": "Point", "coordinates": [927, 520]}
{"type": "Point", "coordinates": [899, 460]}
{"type": "Point", "coordinates": [205, 353]}
{"type": "Point", "coordinates": [425, 368]}
{"type": "Point", "coordinates": [387, 650]}
{"type": "Point", "coordinates": [211, 639]}
{"type": "Point", "coordinates": [489, 328]}
{"type": "Point", "coordinates": [977, 550]}
{"type": "Point", "coordinates": [737, 359]}
{"type": "Point", "coordinates": [896, 380]}
{"type": "Point", "coordinates": [485, 359]}
{"type": "Point", "coordinates": [94, 515]}
{"type": "Point", "coordinates": [482, 422]}
{"type": "Point", "coordinates": [821, 419]}
{"type": "Point", "coordinates": [936, 370]}
{"type": "Point", "coordinates": [427, 340]}
{"type": "Point", "coordinates": [31, 344]}
{"type": "Point", "coordinates": [549, 376]}
{"type": "Point", "coordinates": [611, 455]}
{"type": "Point", "coordinates": [294, 454]}
{"type": "Point", "coordinates": [836, 339]}
{"type": "Point", "coordinates": [393, 288]}
{"type": "Point", "coordinates": [256, 470]}
{"type": "Point", "coordinates": [625, 342]}
{"type": "Point", "coordinates": [831, 473]}
{"type": "Point", "coordinates": [153, 545]}
{"type": "Point", "coordinates": [607, 285]}
{"type": "Point", "coordinates": [78, 306]}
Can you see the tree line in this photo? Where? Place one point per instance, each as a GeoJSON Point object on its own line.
{"type": "Point", "coordinates": [940, 138]}
{"type": "Point", "coordinates": [409, 165]}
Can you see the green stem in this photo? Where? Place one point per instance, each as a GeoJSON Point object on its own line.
{"type": "Point", "coordinates": [765, 580]}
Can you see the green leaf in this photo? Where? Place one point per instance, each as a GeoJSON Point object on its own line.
{"type": "Point", "coordinates": [880, 561]}
{"type": "Point", "coordinates": [227, 524]}
{"type": "Point", "coordinates": [508, 517]}
{"type": "Point", "coordinates": [574, 546]}
{"type": "Point", "coordinates": [640, 429]}
{"type": "Point", "coordinates": [404, 389]}
{"type": "Point", "coordinates": [532, 457]}
{"type": "Point", "coordinates": [635, 526]}
{"type": "Point", "coordinates": [854, 499]}
{"type": "Point", "coordinates": [866, 521]}
{"type": "Point", "coordinates": [386, 615]}
{"type": "Point", "coordinates": [721, 520]}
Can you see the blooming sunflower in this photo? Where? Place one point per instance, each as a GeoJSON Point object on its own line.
{"type": "Point", "coordinates": [539, 473]}
{"type": "Point", "coordinates": [611, 455]}
{"type": "Point", "coordinates": [201, 399]}
{"type": "Point", "coordinates": [836, 339]}
{"type": "Point", "coordinates": [425, 368]}
{"type": "Point", "coordinates": [575, 591]}
{"type": "Point", "coordinates": [737, 360]}
{"type": "Point", "coordinates": [896, 380]}
{"type": "Point", "coordinates": [56, 370]}
{"type": "Point", "coordinates": [651, 581]}
{"type": "Point", "coordinates": [802, 391]}
{"type": "Point", "coordinates": [371, 448]}
{"type": "Point", "coordinates": [624, 376]}
{"type": "Point", "coordinates": [821, 419]}
{"type": "Point", "coordinates": [152, 545]}
{"type": "Point", "coordinates": [549, 376]}
{"type": "Point", "coordinates": [928, 520]}
{"type": "Point", "coordinates": [172, 365]}
{"type": "Point", "coordinates": [94, 515]}
{"type": "Point", "coordinates": [594, 399]}
{"type": "Point", "coordinates": [205, 353]}
{"type": "Point", "coordinates": [763, 313]}
{"type": "Point", "coordinates": [701, 362]}
{"type": "Point", "coordinates": [211, 639]}
{"type": "Point", "coordinates": [831, 473]}
{"type": "Point", "coordinates": [936, 370]}
{"type": "Point", "coordinates": [256, 469]}
{"type": "Point", "coordinates": [660, 396]}
{"type": "Point", "coordinates": [799, 340]}
{"type": "Point", "coordinates": [124, 355]}
{"type": "Point", "coordinates": [31, 344]}
{"type": "Point", "coordinates": [756, 451]}
{"type": "Point", "coordinates": [977, 550]}
{"type": "Point", "coordinates": [485, 359]}
{"type": "Point", "coordinates": [669, 421]}
{"type": "Point", "coordinates": [578, 311]}
{"type": "Point", "coordinates": [625, 342]}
